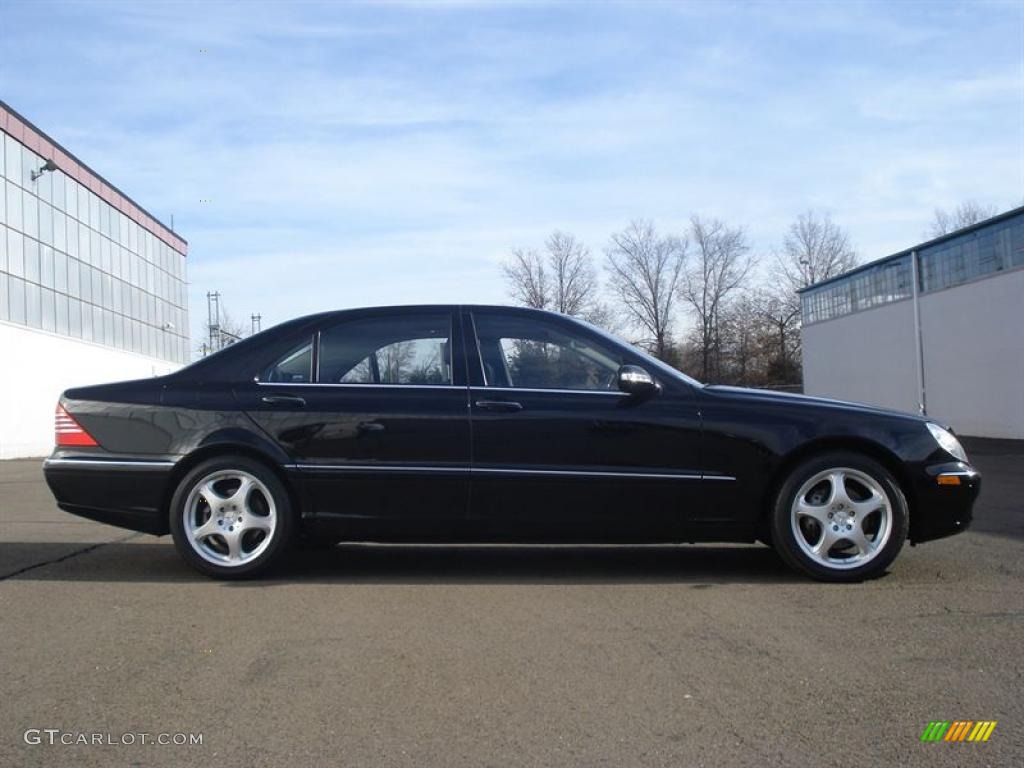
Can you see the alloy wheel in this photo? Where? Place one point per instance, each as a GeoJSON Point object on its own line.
{"type": "Point", "coordinates": [229, 518]}
{"type": "Point", "coordinates": [841, 518]}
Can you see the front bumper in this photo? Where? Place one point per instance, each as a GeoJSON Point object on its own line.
{"type": "Point", "coordinates": [944, 497]}
{"type": "Point", "coordinates": [126, 492]}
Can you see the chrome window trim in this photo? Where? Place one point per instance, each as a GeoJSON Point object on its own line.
{"type": "Point", "coordinates": [510, 471]}
{"type": "Point", "coordinates": [614, 393]}
{"type": "Point", "coordinates": [362, 386]}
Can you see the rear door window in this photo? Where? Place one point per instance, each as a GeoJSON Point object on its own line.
{"type": "Point", "coordinates": [412, 349]}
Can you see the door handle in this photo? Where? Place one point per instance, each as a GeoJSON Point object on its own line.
{"type": "Point", "coordinates": [283, 400]}
{"type": "Point", "coordinates": [499, 405]}
{"type": "Point", "coordinates": [369, 426]}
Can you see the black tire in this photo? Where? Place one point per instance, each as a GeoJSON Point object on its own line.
{"type": "Point", "coordinates": [782, 529]}
{"type": "Point", "coordinates": [273, 545]}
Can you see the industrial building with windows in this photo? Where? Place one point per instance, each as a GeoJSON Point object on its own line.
{"type": "Point", "coordinates": [935, 329]}
{"type": "Point", "coordinates": [92, 287]}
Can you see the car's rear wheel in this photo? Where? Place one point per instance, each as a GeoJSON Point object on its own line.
{"type": "Point", "coordinates": [231, 517]}
{"type": "Point", "coordinates": [840, 517]}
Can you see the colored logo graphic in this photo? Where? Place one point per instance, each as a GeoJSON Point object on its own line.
{"type": "Point", "coordinates": [958, 730]}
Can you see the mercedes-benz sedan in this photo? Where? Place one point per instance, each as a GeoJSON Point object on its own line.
{"type": "Point", "coordinates": [493, 424]}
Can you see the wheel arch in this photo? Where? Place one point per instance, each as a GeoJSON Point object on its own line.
{"type": "Point", "coordinates": [214, 450]}
{"type": "Point", "coordinates": [798, 455]}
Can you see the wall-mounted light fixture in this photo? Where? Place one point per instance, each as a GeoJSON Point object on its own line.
{"type": "Point", "coordinates": [49, 165]}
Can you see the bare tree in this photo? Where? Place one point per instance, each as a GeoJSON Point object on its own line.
{"type": "Point", "coordinates": [965, 214]}
{"type": "Point", "coordinates": [395, 360]}
{"type": "Point", "coordinates": [815, 249]}
{"type": "Point", "coordinates": [526, 276]}
{"type": "Point", "coordinates": [780, 312]}
{"type": "Point", "coordinates": [573, 283]}
{"type": "Point", "coordinates": [562, 279]}
{"type": "Point", "coordinates": [231, 328]}
{"type": "Point", "coordinates": [744, 347]}
{"type": "Point", "coordinates": [645, 269]}
{"type": "Point", "coordinates": [722, 263]}
{"type": "Point", "coordinates": [603, 315]}
{"type": "Point", "coordinates": [742, 335]}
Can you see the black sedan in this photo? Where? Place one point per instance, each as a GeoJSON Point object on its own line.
{"type": "Point", "coordinates": [493, 424]}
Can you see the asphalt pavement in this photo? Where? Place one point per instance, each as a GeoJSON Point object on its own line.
{"type": "Point", "coordinates": [372, 655]}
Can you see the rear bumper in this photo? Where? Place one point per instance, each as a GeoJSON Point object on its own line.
{"type": "Point", "coordinates": [125, 492]}
{"type": "Point", "coordinates": [943, 508]}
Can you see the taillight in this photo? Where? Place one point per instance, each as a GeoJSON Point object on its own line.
{"type": "Point", "coordinates": [70, 432]}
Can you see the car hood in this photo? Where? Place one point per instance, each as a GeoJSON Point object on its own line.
{"type": "Point", "coordinates": [790, 398]}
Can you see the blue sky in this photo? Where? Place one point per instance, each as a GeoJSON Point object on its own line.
{"type": "Point", "coordinates": [381, 153]}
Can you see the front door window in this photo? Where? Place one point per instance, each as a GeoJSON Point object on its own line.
{"type": "Point", "coordinates": [531, 353]}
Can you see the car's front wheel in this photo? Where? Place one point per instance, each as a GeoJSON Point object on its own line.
{"type": "Point", "coordinates": [840, 517]}
{"type": "Point", "coordinates": [231, 517]}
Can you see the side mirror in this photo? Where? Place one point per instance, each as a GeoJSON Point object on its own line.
{"type": "Point", "coordinates": [636, 381]}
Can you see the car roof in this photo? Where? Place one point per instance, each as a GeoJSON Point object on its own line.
{"type": "Point", "coordinates": [426, 307]}
{"type": "Point", "coordinates": [239, 353]}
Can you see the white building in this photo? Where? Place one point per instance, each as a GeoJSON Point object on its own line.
{"type": "Point", "coordinates": [92, 287]}
{"type": "Point", "coordinates": [938, 328]}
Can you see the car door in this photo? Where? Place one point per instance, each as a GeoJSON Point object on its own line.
{"type": "Point", "coordinates": [372, 408]}
{"type": "Point", "coordinates": [559, 451]}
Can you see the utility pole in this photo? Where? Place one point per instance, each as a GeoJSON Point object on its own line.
{"type": "Point", "coordinates": [218, 336]}
{"type": "Point", "coordinates": [213, 319]}
{"type": "Point", "coordinates": [915, 274]}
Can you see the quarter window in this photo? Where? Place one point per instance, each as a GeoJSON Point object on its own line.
{"type": "Point", "coordinates": [293, 368]}
{"type": "Point", "coordinates": [526, 352]}
{"type": "Point", "coordinates": [412, 349]}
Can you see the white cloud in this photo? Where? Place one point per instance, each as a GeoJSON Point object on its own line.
{"type": "Point", "coordinates": [389, 153]}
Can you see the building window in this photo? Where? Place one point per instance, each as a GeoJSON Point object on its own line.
{"type": "Point", "coordinates": [12, 155]}
{"type": "Point", "coordinates": [873, 287]}
{"type": "Point", "coordinates": [16, 299]}
{"type": "Point", "coordinates": [973, 255]}
{"type": "Point", "coordinates": [13, 216]}
{"type": "Point", "coordinates": [968, 257]}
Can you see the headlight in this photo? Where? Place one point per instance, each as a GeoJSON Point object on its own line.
{"type": "Point", "coordinates": [947, 441]}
